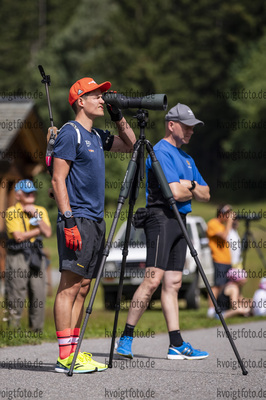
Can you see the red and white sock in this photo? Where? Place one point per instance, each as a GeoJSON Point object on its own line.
{"type": "Point", "coordinates": [65, 342]}
{"type": "Point", "coordinates": [74, 339]}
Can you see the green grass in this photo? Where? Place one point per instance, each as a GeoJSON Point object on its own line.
{"type": "Point", "coordinates": [101, 321]}
{"type": "Point", "coordinates": [207, 211]}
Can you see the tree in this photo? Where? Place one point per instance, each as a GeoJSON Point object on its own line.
{"type": "Point", "coordinates": [184, 49]}
{"type": "Point", "coordinates": [246, 146]}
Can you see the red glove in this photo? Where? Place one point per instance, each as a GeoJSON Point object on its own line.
{"type": "Point", "coordinates": [72, 235]}
{"type": "Point", "coordinates": [115, 112]}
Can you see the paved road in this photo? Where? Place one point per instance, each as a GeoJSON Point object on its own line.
{"type": "Point", "coordinates": [28, 371]}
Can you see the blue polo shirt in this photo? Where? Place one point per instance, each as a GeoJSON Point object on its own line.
{"type": "Point", "coordinates": [176, 164]}
{"type": "Point", "coordinates": [86, 179]}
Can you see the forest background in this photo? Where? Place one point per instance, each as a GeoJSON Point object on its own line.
{"type": "Point", "coordinates": [209, 54]}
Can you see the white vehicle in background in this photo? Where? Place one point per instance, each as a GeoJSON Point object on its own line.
{"type": "Point", "coordinates": [192, 283]}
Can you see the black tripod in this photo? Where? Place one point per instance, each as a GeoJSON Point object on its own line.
{"type": "Point", "coordinates": [134, 174]}
{"type": "Point", "coordinates": [245, 244]}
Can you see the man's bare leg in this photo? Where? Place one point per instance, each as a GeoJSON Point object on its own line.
{"type": "Point", "coordinates": [139, 303]}
{"type": "Point", "coordinates": [172, 281]}
{"type": "Point", "coordinates": [142, 296]}
{"type": "Point", "coordinates": [69, 300]}
{"type": "Point", "coordinates": [78, 307]}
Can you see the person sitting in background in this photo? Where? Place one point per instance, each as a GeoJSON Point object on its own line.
{"type": "Point", "coordinates": [259, 300]}
{"type": "Point", "coordinates": [234, 242]}
{"type": "Point", "coordinates": [230, 300]}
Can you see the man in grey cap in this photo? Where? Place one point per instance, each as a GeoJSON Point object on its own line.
{"type": "Point", "coordinates": [166, 245]}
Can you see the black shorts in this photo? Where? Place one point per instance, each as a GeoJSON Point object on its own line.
{"type": "Point", "coordinates": [84, 262]}
{"type": "Point", "coordinates": [220, 273]}
{"type": "Point", "coordinates": [166, 244]}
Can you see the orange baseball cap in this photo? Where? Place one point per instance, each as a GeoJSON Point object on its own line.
{"type": "Point", "coordinates": [83, 86]}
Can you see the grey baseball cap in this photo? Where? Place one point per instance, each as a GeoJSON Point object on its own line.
{"type": "Point", "coordinates": [184, 114]}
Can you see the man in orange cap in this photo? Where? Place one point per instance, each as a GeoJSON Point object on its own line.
{"type": "Point", "coordinates": [78, 182]}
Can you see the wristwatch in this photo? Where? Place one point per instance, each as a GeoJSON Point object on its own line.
{"type": "Point", "coordinates": [193, 185]}
{"type": "Point", "coordinates": [68, 214]}
{"type": "Point", "coordinates": [70, 221]}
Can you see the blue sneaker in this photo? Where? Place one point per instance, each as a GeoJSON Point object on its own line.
{"type": "Point", "coordinates": [124, 347]}
{"type": "Point", "coordinates": [185, 352]}
{"type": "Point", "coordinates": [217, 315]}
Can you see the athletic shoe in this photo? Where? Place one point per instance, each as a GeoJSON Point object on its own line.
{"type": "Point", "coordinates": [185, 352]}
{"type": "Point", "coordinates": [217, 315]}
{"type": "Point", "coordinates": [124, 346]}
{"type": "Point", "coordinates": [211, 312]}
{"type": "Point", "coordinates": [99, 366]}
{"type": "Point", "coordinates": [82, 365]}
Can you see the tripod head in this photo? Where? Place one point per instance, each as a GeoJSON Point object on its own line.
{"type": "Point", "coordinates": [47, 82]}
{"type": "Point", "coordinates": [46, 78]}
{"type": "Point", "coordinates": [142, 117]}
{"type": "Point", "coordinates": [245, 240]}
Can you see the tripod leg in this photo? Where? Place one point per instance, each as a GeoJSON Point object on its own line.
{"type": "Point", "coordinates": [244, 249]}
{"type": "Point", "coordinates": [169, 197]}
{"type": "Point", "coordinates": [126, 186]}
{"type": "Point", "coordinates": [259, 252]}
{"type": "Point", "coordinates": [132, 200]}
{"type": "Point", "coordinates": [120, 286]}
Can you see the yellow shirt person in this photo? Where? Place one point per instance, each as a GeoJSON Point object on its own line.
{"type": "Point", "coordinates": [15, 216]}
{"type": "Point", "coordinates": [25, 286]}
